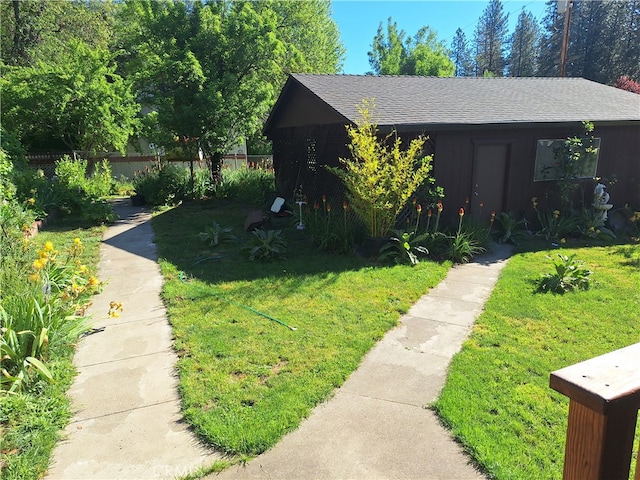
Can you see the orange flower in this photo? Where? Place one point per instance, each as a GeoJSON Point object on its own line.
{"type": "Point", "coordinates": [429, 213]}
{"type": "Point", "coordinates": [493, 216]}
{"type": "Point", "coordinates": [419, 208]}
{"type": "Point", "coordinates": [328, 207]}
{"type": "Point", "coordinates": [440, 207]}
{"type": "Point", "coordinates": [316, 205]}
{"type": "Point", "coordinates": [461, 212]}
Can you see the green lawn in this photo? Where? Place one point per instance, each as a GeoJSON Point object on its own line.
{"type": "Point", "coordinates": [497, 399]}
{"type": "Point", "coordinates": [246, 379]}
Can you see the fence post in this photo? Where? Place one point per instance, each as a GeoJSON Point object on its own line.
{"type": "Point", "coordinates": [604, 398]}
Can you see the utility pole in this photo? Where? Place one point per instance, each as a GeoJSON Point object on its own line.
{"type": "Point", "coordinates": [564, 6]}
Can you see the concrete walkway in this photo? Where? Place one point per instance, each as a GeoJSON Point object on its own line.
{"type": "Point", "coordinates": [127, 422]}
{"type": "Point", "coordinates": [376, 426]}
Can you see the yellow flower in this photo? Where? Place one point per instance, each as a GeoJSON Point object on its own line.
{"type": "Point", "coordinates": [556, 213]}
{"type": "Point", "coordinates": [563, 240]}
{"type": "Point", "coordinates": [32, 201]}
{"type": "Point", "coordinates": [34, 277]}
{"type": "Point", "coordinates": [82, 269]}
{"type": "Point", "coordinates": [115, 308]}
{"type": "Point", "coordinates": [48, 247]}
{"type": "Point", "coordinates": [93, 281]}
{"type": "Point", "coordinates": [77, 241]}
{"type": "Point", "coordinates": [39, 263]}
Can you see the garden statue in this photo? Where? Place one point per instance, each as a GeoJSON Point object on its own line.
{"type": "Point", "coordinates": [601, 203]}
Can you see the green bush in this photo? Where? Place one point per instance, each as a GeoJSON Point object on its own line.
{"type": "Point", "coordinates": [77, 194]}
{"type": "Point", "coordinates": [162, 184]}
{"type": "Point", "coordinates": [248, 185]}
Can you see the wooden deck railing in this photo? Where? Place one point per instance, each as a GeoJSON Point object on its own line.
{"type": "Point", "coordinates": [604, 395]}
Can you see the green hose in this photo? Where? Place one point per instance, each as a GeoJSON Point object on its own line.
{"type": "Point", "coordinates": [183, 279]}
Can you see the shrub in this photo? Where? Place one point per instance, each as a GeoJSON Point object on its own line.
{"type": "Point", "coordinates": [162, 184]}
{"type": "Point", "coordinates": [570, 274]}
{"type": "Point", "coordinates": [248, 185]}
{"type": "Point", "coordinates": [380, 177]}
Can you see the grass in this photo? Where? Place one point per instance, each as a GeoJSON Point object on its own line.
{"type": "Point", "coordinates": [246, 380]}
{"type": "Point", "coordinates": [30, 423]}
{"type": "Point", "coordinates": [497, 399]}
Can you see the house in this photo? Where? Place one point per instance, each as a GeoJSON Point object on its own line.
{"type": "Point", "coordinates": [492, 138]}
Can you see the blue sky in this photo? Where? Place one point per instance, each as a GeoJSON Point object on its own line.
{"type": "Point", "coordinates": [358, 21]}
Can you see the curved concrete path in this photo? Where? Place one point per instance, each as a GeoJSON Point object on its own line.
{"type": "Point", "coordinates": [376, 425]}
{"type": "Point", "coordinates": [127, 422]}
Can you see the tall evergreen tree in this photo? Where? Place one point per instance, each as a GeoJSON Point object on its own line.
{"type": "Point", "coordinates": [461, 55]}
{"type": "Point", "coordinates": [604, 40]}
{"type": "Point", "coordinates": [490, 39]}
{"type": "Point", "coordinates": [523, 53]}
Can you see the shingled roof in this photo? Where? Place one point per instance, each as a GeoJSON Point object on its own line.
{"type": "Point", "coordinates": [455, 101]}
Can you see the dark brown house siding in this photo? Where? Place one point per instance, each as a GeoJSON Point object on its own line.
{"type": "Point", "coordinates": [489, 163]}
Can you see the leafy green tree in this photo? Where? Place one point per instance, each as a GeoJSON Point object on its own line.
{"type": "Point", "coordinates": [310, 34]}
{"type": "Point", "coordinates": [461, 55]}
{"type": "Point", "coordinates": [208, 72]}
{"type": "Point", "coordinates": [523, 53]}
{"type": "Point", "coordinates": [397, 54]}
{"type": "Point", "coordinates": [41, 30]}
{"type": "Point", "coordinates": [82, 104]}
{"type": "Point", "coordinates": [490, 39]}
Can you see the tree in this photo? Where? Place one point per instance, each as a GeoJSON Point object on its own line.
{"type": "Point", "coordinates": [461, 55]}
{"type": "Point", "coordinates": [604, 40]}
{"type": "Point", "coordinates": [523, 53]}
{"type": "Point", "coordinates": [41, 30]}
{"type": "Point", "coordinates": [208, 72]}
{"type": "Point", "coordinates": [311, 35]}
{"type": "Point", "coordinates": [82, 104]}
{"type": "Point", "coordinates": [397, 54]}
{"type": "Point", "coordinates": [625, 83]}
{"type": "Point", "coordinates": [490, 39]}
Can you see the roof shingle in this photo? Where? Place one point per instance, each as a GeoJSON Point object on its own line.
{"type": "Point", "coordinates": [414, 100]}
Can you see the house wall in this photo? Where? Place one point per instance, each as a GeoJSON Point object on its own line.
{"type": "Point", "coordinates": [455, 151]}
{"type": "Point", "coordinates": [454, 162]}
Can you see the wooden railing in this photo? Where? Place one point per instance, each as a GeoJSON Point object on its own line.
{"type": "Point", "coordinates": [604, 395]}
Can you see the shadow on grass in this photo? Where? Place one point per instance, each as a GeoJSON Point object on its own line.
{"type": "Point", "coordinates": [178, 242]}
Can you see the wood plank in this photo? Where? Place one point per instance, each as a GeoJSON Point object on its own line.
{"type": "Point", "coordinates": [598, 447]}
{"type": "Point", "coordinates": [603, 383]}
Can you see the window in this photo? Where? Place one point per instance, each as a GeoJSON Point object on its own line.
{"type": "Point", "coordinates": [546, 161]}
